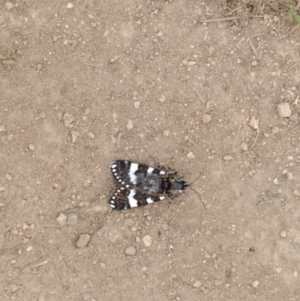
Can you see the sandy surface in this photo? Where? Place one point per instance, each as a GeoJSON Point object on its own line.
{"type": "Point", "coordinates": [85, 83]}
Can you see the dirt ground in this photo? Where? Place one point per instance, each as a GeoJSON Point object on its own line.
{"type": "Point", "coordinates": [87, 82]}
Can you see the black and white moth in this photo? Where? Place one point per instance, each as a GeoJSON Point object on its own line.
{"type": "Point", "coordinates": [140, 185]}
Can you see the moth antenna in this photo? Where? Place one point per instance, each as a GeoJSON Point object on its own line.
{"type": "Point", "coordinates": [199, 197]}
{"type": "Point", "coordinates": [198, 176]}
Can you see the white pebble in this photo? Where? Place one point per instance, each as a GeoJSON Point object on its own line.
{"type": "Point", "coordinates": [254, 63]}
{"type": "Point", "coordinates": [289, 176]}
{"type": "Point", "coordinates": [147, 239]}
{"type": "Point", "coordinates": [244, 146]}
{"type": "Point", "coordinates": [296, 192]}
{"type": "Point", "coordinates": [31, 147]}
{"type": "Point", "coordinates": [255, 283]}
{"type": "Point", "coordinates": [68, 120]}
{"type": "Point", "coordinates": [129, 125]}
{"type": "Point", "coordinates": [8, 5]}
{"type": "Point", "coordinates": [130, 251]}
{"type": "Point", "coordinates": [8, 177]}
{"type": "Point", "coordinates": [160, 34]}
{"type": "Point", "coordinates": [13, 288]}
{"type": "Point", "coordinates": [83, 241]}
{"type": "Point", "coordinates": [190, 156]}
{"type": "Point", "coordinates": [74, 136]}
{"type": "Point", "coordinates": [284, 110]}
{"type": "Point", "coordinates": [70, 5]}
{"type": "Point", "coordinates": [2, 128]}
{"type": "Point", "coordinates": [136, 105]}
{"type": "Point", "coordinates": [275, 181]}
{"type": "Point", "coordinates": [166, 133]}
{"type": "Point", "coordinates": [227, 158]}
{"type": "Point", "coordinates": [283, 234]}
{"type": "Point", "coordinates": [275, 130]}
{"type": "Point", "coordinates": [206, 118]}
{"type": "Point", "coordinates": [196, 284]}
{"type": "Point", "coordinates": [253, 123]}
{"type": "Point", "coordinates": [61, 219]}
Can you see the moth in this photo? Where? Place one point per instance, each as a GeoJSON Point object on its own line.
{"type": "Point", "coordinates": [140, 185]}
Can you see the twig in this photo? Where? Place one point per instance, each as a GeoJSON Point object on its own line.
{"type": "Point", "coordinates": [254, 50]}
{"type": "Point", "coordinates": [238, 8]}
{"type": "Point", "coordinates": [257, 132]}
{"type": "Point", "coordinates": [171, 286]}
{"type": "Point", "coordinates": [294, 28]}
{"type": "Point", "coordinates": [169, 247]}
{"type": "Point", "coordinates": [229, 18]}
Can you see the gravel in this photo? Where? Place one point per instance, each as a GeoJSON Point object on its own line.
{"type": "Point", "coordinates": [284, 110]}
{"type": "Point", "coordinates": [130, 251]}
{"type": "Point", "coordinates": [83, 241]}
{"type": "Point", "coordinates": [147, 239]}
{"type": "Point", "coordinates": [61, 219]}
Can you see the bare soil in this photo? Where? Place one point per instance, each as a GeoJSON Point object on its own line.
{"type": "Point", "coordinates": [87, 82]}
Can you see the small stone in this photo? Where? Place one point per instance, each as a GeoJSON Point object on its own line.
{"type": "Point", "coordinates": [278, 270]}
{"type": "Point", "coordinates": [2, 188]}
{"type": "Point", "coordinates": [275, 130]}
{"type": "Point", "coordinates": [227, 158]}
{"type": "Point", "coordinates": [130, 251]}
{"type": "Point", "coordinates": [39, 67]}
{"type": "Point", "coordinates": [31, 147]}
{"type": "Point", "coordinates": [166, 133]}
{"type": "Point", "coordinates": [68, 120]}
{"type": "Point", "coordinates": [160, 34]}
{"type": "Point", "coordinates": [70, 5]}
{"type": "Point", "coordinates": [191, 63]}
{"type": "Point", "coordinates": [61, 219]}
{"type": "Point", "coordinates": [289, 176]}
{"type": "Point", "coordinates": [275, 181]}
{"type": "Point", "coordinates": [147, 239]}
{"type": "Point", "coordinates": [8, 5]}
{"type": "Point", "coordinates": [283, 234]}
{"type": "Point", "coordinates": [29, 248]}
{"type": "Point", "coordinates": [284, 110]}
{"type": "Point", "coordinates": [206, 118]}
{"type": "Point", "coordinates": [244, 146]}
{"type": "Point", "coordinates": [294, 117]}
{"type": "Point", "coordinates": [72, 219]}
{"type": "Point", "coordinates": [253, 123]}
{"type": "Point", "coordinates": [83, 241]}
{"type": "Point", "coordinates": [254, 63]}
{"type": "Point", "coordinates": [296, 192]}
{"type": "Point", "coordinates": [13, 288]}
{"type": "Point", "coordinates": [8, 177]}
{"type": "Point", "coordinates": [136, 105]}
{"type": "Point", "coordinates": [2, 128]}
{"type": "Point", "coordinates": [196, 284]}
{"type": "Point", "coordinates": [129, 125]}
{"type": "Point", "coordinates": [255, 283]}
{"type": "Point", "coordinates": [190, 156]}
{"type": "Point", "coordinates": [74, 136]}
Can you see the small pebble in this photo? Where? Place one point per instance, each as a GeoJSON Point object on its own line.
{"type": "Point", "coordinates": [31, 147]}
{"type": "Point", "coordinates": [244, 146]}
{"type": "Point", "coordinates": [191, 63]}
{"type": "Point", "coordinates": [8, 5]}
{"type": "Point", "coordinates": [196, 284]}
{"type": "Point", "coordinates": [296, 192]}
{"type": "Point", "coordinates": [130, 251]}
{"type": "Point", "coordinates": [283, 234]}
{"type": "Point", "coordinates": [72, 219]}
{"type": "Point", "coordinates": [227, 158]}
{"type": "Point", "coordinates": [166, 133]}
{"type": "Point", "coordinates": [13, 288]}
{"type": "Point", "coordinates": [70, 5]}
{"type": "Point", "coordinates": [190, 156]}
{"type": "Point", "coordinates": [253, 123]}
{"type": "Point", "coordinates": [39, 67]}
{"type": "Point", "coordinates": [68, 120]}
{"type": "Point", "coordinates": [2, 128]}
{"type": "Point", "coordinates": [74, 136]}
{"type": "Point", "coordinates": [206, 118]}
{"type": "Point", "coordinates": [275, 181]}
{"type": "Point", "coordinates": [8, 177]}
{"type": "Point", "coordinates": [61, 219]}
{"type": "Point", "coordinates": [254, 63]}
{"type": "Point", "coordinates": [255, 283]}
{"type": "Point", "coordinates": [284, 110]}
{"type": "Point", "coordinates": [129, 125]}
{"type": "Point", "coordinates": [160, 34]}
{"type": "Point", "coordinates": [289, 176]}
{"type": "Point", "coordinates": [147, 239]}
{"type": "Point", "coordinates": [136, 105]}
{"type": "Point", "coordinates": [83, 241]}
{"type": "Point", "coordinates": [275, 130]}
